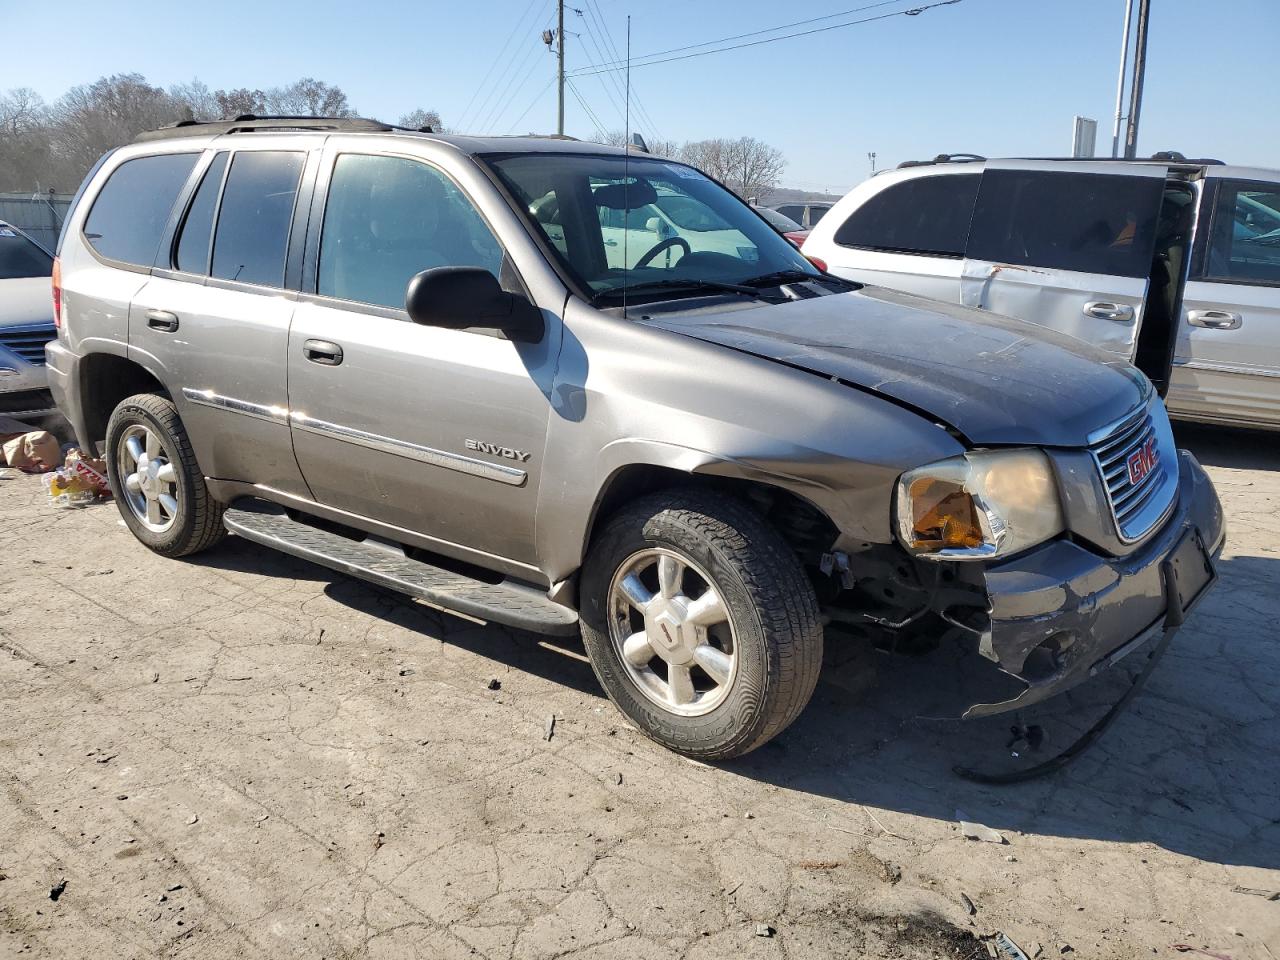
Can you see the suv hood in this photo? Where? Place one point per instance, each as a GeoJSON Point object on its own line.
{"type": "Point", "coordinates": [993, 379]}
{"type": "Point", "coordinates": [26, 300]}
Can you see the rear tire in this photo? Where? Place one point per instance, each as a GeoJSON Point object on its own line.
{"type": "Point", "coordinates": [700, 623]}
{"type": "Point", "coordinates": [156, 481]}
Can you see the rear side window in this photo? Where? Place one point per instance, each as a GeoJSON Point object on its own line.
{"type": "Point", "coordinates": [794, 211]}
{"type": "Point", "coordinates": [19, 257]}
{"type": "Point", "coordinates": [197, 231]}
{"type": "Point", "coordinates": [252, 236]}
{"type": "Point", "coordinates": [924, 215]}
{"type": "Point", "coordinates": [1244, 246]}
{"type": "Point", "coordinates": [816, 214]}
{"type": "Point", "coordinates": [129, 215]}
{"type": "Point", "coordinates": [1085, 222]}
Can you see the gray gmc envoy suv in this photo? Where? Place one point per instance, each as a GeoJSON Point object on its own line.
{"type": "Point", "coordinates": [569, 388]}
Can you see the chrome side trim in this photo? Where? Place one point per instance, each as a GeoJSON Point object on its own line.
{"type": "Point", "coordinates": [402, 448]}
{"type": "Point", "coordinates": [1215, 366]}
{"type": "Point", "coordinates": [261, 411]}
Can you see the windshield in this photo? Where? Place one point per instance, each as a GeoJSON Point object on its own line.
{"type": "Point", "coordinates": [780, 222]}
{"type": "Point", "coordinates": [660, 226]}
{"type": "Point", "coordinates": [20, 257]}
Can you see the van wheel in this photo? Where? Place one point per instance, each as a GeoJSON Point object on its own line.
{"type": "Point", "coordinates": [700, 623]}
{"type": "Point", "coordinates": [156, 482]}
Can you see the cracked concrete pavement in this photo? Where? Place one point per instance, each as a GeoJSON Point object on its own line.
{"type": "Point", "coordinates": [245, 755]}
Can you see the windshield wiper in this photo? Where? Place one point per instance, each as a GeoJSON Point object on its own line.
{"type": "Point", "coordinates": [689, 284]}
{"type": "Point", "coordinates": [780, 277]}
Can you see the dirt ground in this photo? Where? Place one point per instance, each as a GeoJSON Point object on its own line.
{"type": "Point", "coordinates": [246, 756]}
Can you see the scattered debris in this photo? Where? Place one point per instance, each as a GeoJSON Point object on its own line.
{"type": "Point", "coordinates": [764, 930]}
{"type": "Point", "coordinates": [617, 778]}
{"type": "Point", "coordinates": [1187, 948]}
{"type": "Point", "coordinates": [56, 890]}
{"type": "Point", "coordinates": [977, 831]}
{"type": "Point", "coordinates": [122, 796]}
{"type": "Point", "coordinates": [1007, 948]}
{"type": "Point", "coordinates": [1066, 948]}
{"type": "Point", "coordinates": [494, 684]}
{"type": "Point", "coordinates": [155, 676]}
{"type": "Point", "coordinates": [33, 452]}
{"type": "Point", "coordinates": [173, 888]}
{"type": "Point", "coordinates": [967, 904]}
{"type": "Point", "coordinates": [193, 819]}
{"type": "Point", "coordinates": [818, 864]}
{"type": "Point", "coordinates": [748, 815]}
{"type": "Point", "coordinates": [379, 840]}
{"type": "Point", "coordinates": [107, 758]}
{"type": "Point", "coordinates": [1255, 892]}
{"type": "Point", "coordinates": [890, 873]}
{"type": "Point", "coordinates": [1036, 949]}
{"type": "Point", "coordinates": [261, 817]}
{"type": "Point", "coordinates": [408, 672]}
{"type": "Point", "coordinates": [550, 729]}
{"type": "Point", "coordinates": [883, 829]}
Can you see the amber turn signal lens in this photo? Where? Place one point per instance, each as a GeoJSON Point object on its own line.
{"type": "Point", "coordinates": [943, 516]}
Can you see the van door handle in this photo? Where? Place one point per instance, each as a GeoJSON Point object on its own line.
{"type": "Point", "coordinates": [322, 351]}
{"type": "Point", "coordinates": [1106, 310]}
{"type": "Point", "coordinates": [1214, 319]}
{"type": "Point", "coordinates": [162, 320]}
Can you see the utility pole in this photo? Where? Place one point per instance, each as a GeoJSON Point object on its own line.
{"type": "Point", "coordinates": [872, 157]}
{"type": "Point", "coordinates": [1124, 66]}
{"type": "Point", "coordinates": [560, 67]}
{"type": "Point", "coordinates": [1139, 74]}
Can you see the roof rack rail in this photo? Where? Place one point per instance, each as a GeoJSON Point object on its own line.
{"type": "Point", "coordinates": [943, 158]}
{"type": "Point", "coordinates": [248, 122]}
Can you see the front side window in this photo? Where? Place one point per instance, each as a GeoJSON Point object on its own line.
{"type": "Point", "coordinates": [629, 222]}
{"type": "Point", "coordinates": [1084, 222]}
{"type": "Point", "coordinates": [197, 230]}
{"type": "Point", "coordinates": [20, 257]}
{"type": "Point", "coordinates": [1244, 246]}
{"type": "Point", "coordinates": [129, 215]}
{"type": "Point", "coordinates": [252, 236]}
{"type": "Point", "coordinates": [922, 215]}
{"type": "Point", "coordinates": [388, 218]}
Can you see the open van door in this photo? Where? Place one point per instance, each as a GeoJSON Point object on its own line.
{"type": "Point", "coordinates": [1066, 245]}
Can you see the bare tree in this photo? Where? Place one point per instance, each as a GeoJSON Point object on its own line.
{"type": "Point", "coordinates": [658, 148]}
{"type": "Point", "coordinates": [309, 97]}
{"type": "Point", "coordinates": [90, 120]}
{"type": "Point", "coordinates": [746, 165]}
{"type": "Point", "coordinates": [417, 119]}
{"type": "Point", "coordinates": [21, 110]}
{"type": "Point", "coordinates": [24, 141]}
{"type": "Point", "coordinates": [197, 100]}
{"type": "Point", "coordinates": [242, 100]}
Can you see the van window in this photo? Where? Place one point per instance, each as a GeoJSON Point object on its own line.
{"type": "Point", "coordinates": [795, 211]}
{"type": "Point", "coordinates": [388, 218]}
{"type": "Point", "coordinates": [129, 214]}
{"type": "Point", "coordinates": [923, 215]}
{"type": "Point", "coordinates": [252, 237]}
{"type": "Point", "coordinates": [1085, 222]}
{"type": "Point", "coordinates": [1244, 246]}
{"type": "Point", "coordinates": [197, 231]}
{"type": "Point", "coordinates": [816, 213]}
{"type": "Point", "coordinates": [20, 257]}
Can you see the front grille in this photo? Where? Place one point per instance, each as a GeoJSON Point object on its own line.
{"type": "Point", "coordinates": [28, 342]}
{"type": "Point", "coordinates": [26, 401]}
{"type": "Point", "coordinates": [1140, 442]}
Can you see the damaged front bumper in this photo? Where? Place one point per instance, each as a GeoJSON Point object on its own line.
{"type": "Point", "coordinates": [1062, 613]}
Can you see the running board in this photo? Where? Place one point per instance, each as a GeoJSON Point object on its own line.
{"type": "Point", "coordinates": [514, 605]}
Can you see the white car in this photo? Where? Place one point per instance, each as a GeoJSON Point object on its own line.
{"type": "Point", "coordinates": [1174, 264]}
{"type": "Point", "coordinates": [26, 325]}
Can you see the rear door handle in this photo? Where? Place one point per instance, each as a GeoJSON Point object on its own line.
{"type": "Point", "coordinates": [1214, 319]}
{"type": "Point", "coordinates": [162, 320]}
{"type": "Point", "coordinates": [322, 351]}
{"type": "Point", "coordinates": [1106, 310]}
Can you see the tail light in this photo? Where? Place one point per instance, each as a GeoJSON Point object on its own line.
{"type": "Point", "coordinates": [817, 262]}
{"type": "Point", "coordinates": [57, 293]}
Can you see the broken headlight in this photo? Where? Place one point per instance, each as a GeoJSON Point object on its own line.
{"type": "Point", "coordinates": [979, 505]}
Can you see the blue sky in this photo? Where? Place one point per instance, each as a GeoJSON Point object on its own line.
{"type": "Point", "coordinates": [995, 77]}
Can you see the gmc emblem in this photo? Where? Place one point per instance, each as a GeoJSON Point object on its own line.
{"type": "Point", "coordinates": [1142, 461]}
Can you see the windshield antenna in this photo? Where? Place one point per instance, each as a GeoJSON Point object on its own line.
{"type": "Point", "coordinates": [626, 158]}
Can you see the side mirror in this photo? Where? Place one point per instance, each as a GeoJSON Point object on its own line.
{"type": "Point", "coordinates": [459, 298]}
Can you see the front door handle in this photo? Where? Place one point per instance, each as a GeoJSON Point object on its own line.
{"type": "Point", "coordinates": [1106, 310]}
{"type": "Point", "coordinates": [162, 320]}
{"type": "Point", "coordinates": [322, 351]}
{"type": "Point", "coordinates": [1214, 319]}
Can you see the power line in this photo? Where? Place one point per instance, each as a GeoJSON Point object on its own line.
{"type": "Point", "coordinates": [516, 82]}
{"type": "Point", "coordinates": [532, 103]}
{"type": "Point", "coordinates": [912, 12]}
{"type": "Point", "coordinates": [606, 36]}
{"type": "Point", "coordinates": [609, 77]}
{"type": "Point", "coordinates": [484, 114]}
{"type": "Point", "coordinates": [590, 113]}
{"type": "Point", "coordinates": [496, 60]}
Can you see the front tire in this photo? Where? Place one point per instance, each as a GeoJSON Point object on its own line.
{"type": "Point", "coordinates": [155, 480]}
{"type": "Point", "coordinates": [700, 623]}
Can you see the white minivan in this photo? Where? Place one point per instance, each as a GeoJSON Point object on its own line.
{"type": "Point", "coordinates": [1174, 264]}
